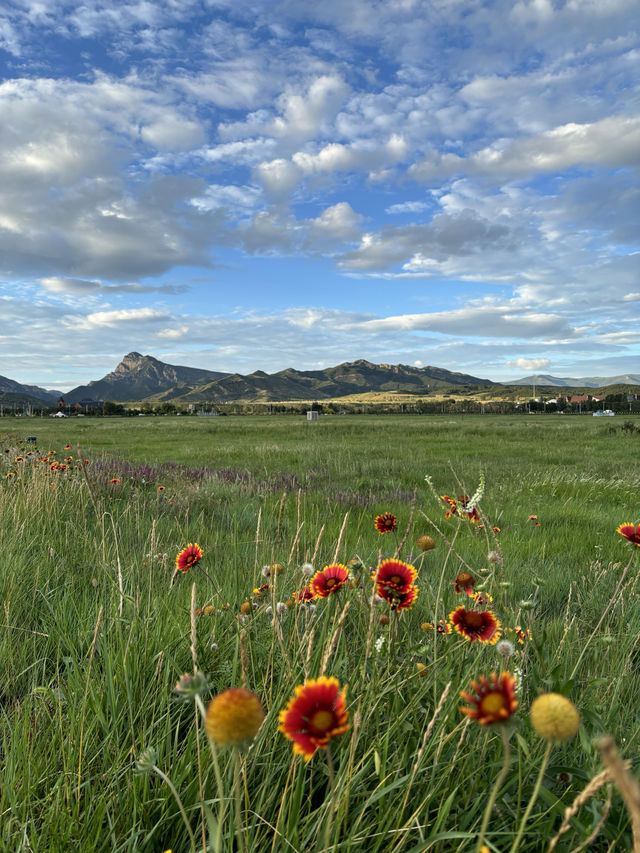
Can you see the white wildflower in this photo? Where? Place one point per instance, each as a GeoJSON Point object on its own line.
{"type": "Point", "coordinates": [380, 644]}
{"type": "Point", "coordinates": [307, 570]}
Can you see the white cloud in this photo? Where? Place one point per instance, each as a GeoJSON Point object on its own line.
{"type": "Point", "coordinates": [613, 142]}
{"type": "Point", "coordinates": [117, 317]}
{"type": "Point", "coordinates": [530, 363]}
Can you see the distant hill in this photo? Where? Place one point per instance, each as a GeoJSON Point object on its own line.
{"type": "Point", "coordinates": [140, 376]}
{"type": "Point", "coordinates": [355, 377]}
{"type": "Point", "coordinates": [544, 380]}
{"type": "Point", "coordinates": [27, 392]}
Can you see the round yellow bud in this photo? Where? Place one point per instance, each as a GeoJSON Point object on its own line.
{"type": "Point", "coordinates": [426, 543]}
{"type": "Point", "coordinates": [233, 716]}
{"type": "Point", "coordinates": [245, 607]}
{"type": "Point", "coordinates": [554, 717]}
{"type": "Point", "coordinates": [276, 568]}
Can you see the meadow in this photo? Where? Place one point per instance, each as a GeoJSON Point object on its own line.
{"type": "Point", "coordinates": [101, 752]}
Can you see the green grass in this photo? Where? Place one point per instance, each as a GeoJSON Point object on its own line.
{"type": "Point", "coordinates": [95, 627]}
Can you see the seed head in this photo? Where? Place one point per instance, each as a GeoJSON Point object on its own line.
{"type": "Point", "coordinates": [554, 717]}
{"type": "Point", "coordinates": [426, 543]}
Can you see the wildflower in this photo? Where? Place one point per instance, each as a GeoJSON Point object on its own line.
{"type": "Point", "coordinates": [396, 599]}
{"type": "Point", "coordinates": [307, 570]}
{"type": "Point", "coordinates": [461, 507]}
{"type": "Point", "coordinates": [493, 557]}
{"type": "Point", "coordinates": [534, 518]}
{"type": "Point", "coordinates": [245, 607]}
{"type": "Point", "coordinates": [188, 557]}
{"type": "Point", "coordinates": [394, 574]}
{"type": "Point", "coordinates": [114, 481]}
{"type": "Point", "coordinates": [328, 580]}
{"type": "Point", "coordinates": [482, 598]}
{"type": "Point", "coordinates": [453, 506]}
{"type": "Point", "coordinates": [464, 583]}
{"type": "Point", "coordinates": [421, 669]}
{"type": "Point", "coordinates": [426, 543]}
{"type": "Point", "coordinates": [19, 459]}
{"type": "Point", "coordinates": [260, 590]}
{"type": "Point", "coordinates": [276, 568]}
{"type": "Point", "coordinates": [233, 717]}
{"type": "Point", "coordinates": [473, 625]}
{"type": "Point", "coordinates": [444, 627]}
{"type": "Point", "coordinates": [303, 595]}
{"type": "Point", "coordinates": [316, 713]}
{"type": "Point", "coordinates": [630, 532]}
{"type": "Point", "coordinates": [67, 447]}
{"type": "Point", "coordinates": [386, 522]}
{"type": "Point", "coordinates": [522, 634]}
{"type": "Point", "coordinates": [379, 644]}
{"type": "Point", "coordinates": [493, 699]}
{"type": "Point", "coordinates": [383, 619]}
{"type": "Point", "coordinates": [161, 488]}
{"type": "Point", "coordinates": [281, 608]}
{"type": "Point", "coordinates": [554, 717]}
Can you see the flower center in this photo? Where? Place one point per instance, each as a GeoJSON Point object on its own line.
{"type": "Point", "coordinates": [321, 721]}
{"type": "Point", "coordinates": [493, 703]}
{"type": "Point", "coordinates": [473, 619]}
{"type": "Point", "coordinates": [331, 582]}
{"type": "Point", "coordinates": [396, 580]}
{"type": "Point", "coordinates": [464, 579]}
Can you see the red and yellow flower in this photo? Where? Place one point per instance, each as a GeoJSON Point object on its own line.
{"type": "Point", "coordinates": [328, 580]}
{"type": "Point", "coordinates": [460, 507]}
{"type": "Point", "coordinates": [473, 625]}
{"type": "Point", "coordinates": [630, 532]}
{"type": "Point", "coordinates": [386, 522]}
{"type": "Point", "coordinates": [303, 595]}
{"type": "Point", "coordinates": [394, 574]}
{"type": "Point", "coordinates": [522, 634]}
{"type": "Point", "coordinates": [464, 583]}
{"type": "Point", "coordinates": [188, 557]}
{"type": "Point", "coordinates": [492, 700]}
{"type": "Point", "coordinates": [316, 713]}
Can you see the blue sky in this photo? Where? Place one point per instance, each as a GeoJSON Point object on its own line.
{"type": "Point", "coordinates": [261, 184]}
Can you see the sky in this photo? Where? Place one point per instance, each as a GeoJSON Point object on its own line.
{"type": "Point", "coordinates": [243, 185]}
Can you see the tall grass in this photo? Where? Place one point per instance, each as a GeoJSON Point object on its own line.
{"type": "Point", "coordinates": [97, 628]}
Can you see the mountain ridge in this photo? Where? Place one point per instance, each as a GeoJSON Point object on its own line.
{"type": "Point", "coordinates": [137, 378]}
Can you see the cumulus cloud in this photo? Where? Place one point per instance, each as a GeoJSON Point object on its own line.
{"type": "Point", "coordinates": [613, 142]}
{"type": "Point", "coordinates": [530, 363]}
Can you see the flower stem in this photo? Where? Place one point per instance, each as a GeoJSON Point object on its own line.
{"type": "Point", "coordinates": [332, 788]}
{"type": "Point", "coordinates": [176, 797]}
{"type": "Point", "coordinates": [237, 795]}
{"type": "Point", "coordinates": [220, 785]}
{"type": "Point", "coordinates": [534, 797]}
{"type": "Point", "coordinates": [502, 775]}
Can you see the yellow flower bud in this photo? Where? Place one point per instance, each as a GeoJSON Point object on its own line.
{"type": "Point", "coordinates": [233, 716]}
{"type": "Point", "coordinates": [554, 717]}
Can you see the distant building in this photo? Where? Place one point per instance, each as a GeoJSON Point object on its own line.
{"type": "Point", "coordinates": [312, 415]}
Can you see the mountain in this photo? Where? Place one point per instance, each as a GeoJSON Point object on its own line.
{"type": "Point", "coordinates": [10, 386]}
{"type": "Point", "coordinates": [343, 380]}
{"type": "Point", "coordinates": [140, 376]}
{"type": "Point", "coordinates": [589, 382]}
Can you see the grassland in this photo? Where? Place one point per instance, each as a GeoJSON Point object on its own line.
{"type": "Point", "coordinates": [97, 628]}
